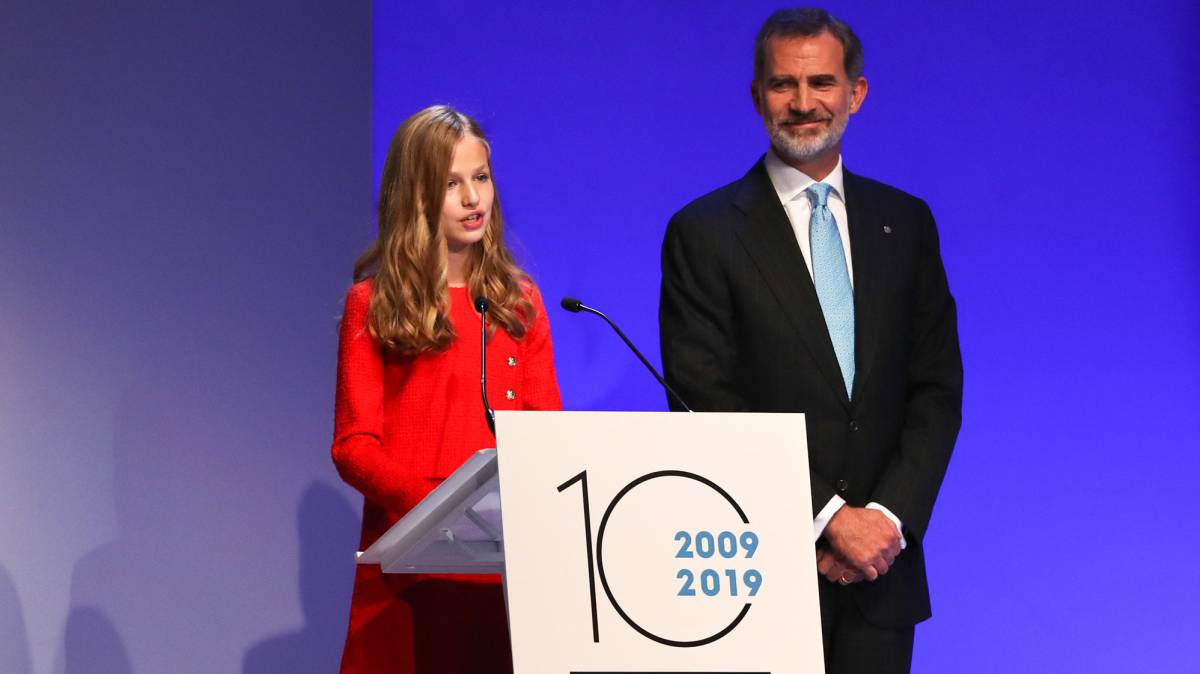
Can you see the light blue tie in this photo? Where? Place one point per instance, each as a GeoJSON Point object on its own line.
{"type": "Point", "coordinates": [832, 280]}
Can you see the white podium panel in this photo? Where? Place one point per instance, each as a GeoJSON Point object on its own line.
{"type": "Point", "coordinates": [658, 542]}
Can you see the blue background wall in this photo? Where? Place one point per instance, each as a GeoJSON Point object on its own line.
{"type": "Point", "coordinates": [1057, 145]}
{"type": "Point", "coordinates": [182, 193]}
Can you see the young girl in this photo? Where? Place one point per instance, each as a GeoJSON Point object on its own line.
{"type": "Point", "coordinates": [408, 408]}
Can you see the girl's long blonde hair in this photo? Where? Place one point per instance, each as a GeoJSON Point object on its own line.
{"type": "Point", "coordinates": [410, 302]}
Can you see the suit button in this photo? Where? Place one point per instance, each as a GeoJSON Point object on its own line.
{"type": "Point", "coordinates": [510, 394]}
{"type": "Point", "coordinates": [512, 361]}
{"type": "Point", "coordinates": [853, 426]}
{"type": "Point", "coordinates": [842, 486]}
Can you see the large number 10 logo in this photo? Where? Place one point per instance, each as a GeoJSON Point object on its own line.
{"type": "Point", "coordinates": [749, 543]}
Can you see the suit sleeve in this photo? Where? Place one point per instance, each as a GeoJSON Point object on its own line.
{"type": "Point", "coordinates": [696, 321]}
{"type": "Point", "coordinates": [358, 451]}
{"type": "Point", "coordinates": [933, 414]}
{"type": "Point", "coordinates": [539, 383]}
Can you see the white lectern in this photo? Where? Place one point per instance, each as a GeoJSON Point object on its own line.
{"type": "Point", "coordinates": [633, 542]}
{"type": "Point", "coordinates": [455, 529]}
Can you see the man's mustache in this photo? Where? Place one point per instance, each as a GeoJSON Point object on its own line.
{"type": "Point", "coordinates": [804, 119]}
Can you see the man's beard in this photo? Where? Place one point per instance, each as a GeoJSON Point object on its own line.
{"type": "Point", "coordinates": [799, 150]}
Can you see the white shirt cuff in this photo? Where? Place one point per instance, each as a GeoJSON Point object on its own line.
{"type": "Point", "coordinates": [895, 520]}
{"type": "Point", "coordinates": [822, 519]}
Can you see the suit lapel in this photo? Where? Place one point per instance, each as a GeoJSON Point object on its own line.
{"type": "Point", "coordinates": [771, 243]}
{"type": "Point", "coordinates": [866, 225]}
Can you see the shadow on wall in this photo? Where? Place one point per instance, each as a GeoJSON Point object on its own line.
{"type": "Point", "coordinates": [116, 588]}
{"type": "Point", "coordinates": [93, 645]}
{"type": "Point", "coordinates": [185, 576]}
{"type": "Point", "coordinates": [14, 644]}
{"type": "Point", "coordinates": [328, 529]}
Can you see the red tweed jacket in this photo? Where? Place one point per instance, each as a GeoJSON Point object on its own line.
{"type": "Point", "coordinates": [401, 425]}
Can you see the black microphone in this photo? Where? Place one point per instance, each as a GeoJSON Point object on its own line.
{"type": "Point", "coordinates": [482, 305]}
{"type": "Point", "coordinates": [575, 306]}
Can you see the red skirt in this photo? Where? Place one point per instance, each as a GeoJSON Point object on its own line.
{"type": "Point", "coordinates": [415, 624]}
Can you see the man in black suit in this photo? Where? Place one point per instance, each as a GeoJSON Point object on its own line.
{"type": "Point", "coordinates": [805, 288]}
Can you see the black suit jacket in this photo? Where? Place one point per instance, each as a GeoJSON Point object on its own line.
{"type": "Point", "coordinates": [742, 330]}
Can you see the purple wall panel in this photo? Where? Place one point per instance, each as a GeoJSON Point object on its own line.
{"type": "Point", "coordinates": [181, 192]}
{"type": "Point", "coordinates": [1056, 144]}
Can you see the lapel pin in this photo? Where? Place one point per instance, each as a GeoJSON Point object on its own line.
{"type": "Point", "coordinates": [887, 229]}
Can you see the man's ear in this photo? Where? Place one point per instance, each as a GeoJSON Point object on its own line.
{"type": "Point", "coordinates": [858, 94]}
{"type": "Point", "coordinates": [755, 90]}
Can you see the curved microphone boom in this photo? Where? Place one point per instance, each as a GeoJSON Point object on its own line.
{"type": "Point", "coordinates": [575, 306]}
{"type": "Point", "coordinates": [482, 305]}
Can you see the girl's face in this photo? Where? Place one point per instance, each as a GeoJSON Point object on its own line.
{"type": "Point", "coordinates": [469, 195]}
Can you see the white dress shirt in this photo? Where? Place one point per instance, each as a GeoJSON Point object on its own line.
{"type": "Point", "coordinates": [790, 184]}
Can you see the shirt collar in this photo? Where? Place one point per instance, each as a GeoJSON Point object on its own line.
{"type": "Point", "coordinates": [790, 183]}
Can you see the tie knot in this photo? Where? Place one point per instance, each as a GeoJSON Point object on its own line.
{"type": "Point", "coordinates": [818, 194]}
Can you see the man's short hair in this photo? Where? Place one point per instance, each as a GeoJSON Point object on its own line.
{"type": "Point", "coordinates": [808, 22]}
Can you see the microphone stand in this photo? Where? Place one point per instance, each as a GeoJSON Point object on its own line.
{"type": "Point", "coordinates": [482, 305]}
{"type": "Point", "coordinates": [575, 306]}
